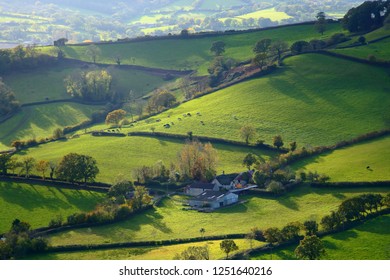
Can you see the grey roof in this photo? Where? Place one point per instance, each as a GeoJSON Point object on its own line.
{"type": "Point", "coordinates": [201, 185]}
{"type": "Point", "coordinates": [210, 196]}
{"type": "Point", "coordinates": [226, 179]}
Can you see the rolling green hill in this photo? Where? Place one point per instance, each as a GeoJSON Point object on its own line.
{"type": "Point", "coordinates": [38, 204]}
{"type": "Point", "coordinates": [170, 221]}
{"type": "Point", "coordinates": [314, 100]}
{"type": "Point", "coordinates": [194, 54]}
{"type": "Point", "coordinates": [380, 50]}
{"type": "Point", "coordinates": [365, 242]}
{"type": "Point", "coordinates": [350, 164]}
{"type": "Point", "coordinates": [41, 121]}
{"type": "Point", "coordinates": [37, 85]}
{"type": "Point", "coordinates": [121, 155]}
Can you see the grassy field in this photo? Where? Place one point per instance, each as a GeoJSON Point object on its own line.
{"type": "Point", "coordinates": [170, 221]}
{"type": "Point", "coordinates": [302, 102]}
{"type": "Point", "coordinates": [120, 155]}
{"type": "Point", "coordinates": [38, 204]}
{"type": "Point", "coordinates": [37, 85]}
{"type": "Point", "coordinates": [369, 241]}
{"type": "Point", "coordinates": [271, 13]}
{"type": "Point", "coordinates": [41, 121]}
{"type": "Point", "coordinates": [194, 54]}
{"type": "Point", "coordinates": [381, 50]}
{"type": "Point", "coordinates": [151, 253]}
{"type": "Point", "coordinates": [350, 164]}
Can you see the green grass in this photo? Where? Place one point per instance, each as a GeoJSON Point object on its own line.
{"type": "Point", "coordinates": [121, 155]}
{"type": "Point", "coordinates": [350, 164]}
{"type": "Point", "coordinates": [194, 54]}
{"type": "Point", "coordinates": [42, 83]}
{"type": "Point", "coordinates": [314, 100]}
{"type": "Point", "coordinates": [41, 121]}
{"type": "Point", "coordinates": [271, 13]}
{"type": "Point", "coordinates": [38, 204]}
{"type": "Point", "coordinates": [148, 253]}
{"type": "Point", "coordinates": [381, 50]}
{"type": "Point", "coordinates": [170, 221]}
{"type": "Point", "coordinates": [369, 241]}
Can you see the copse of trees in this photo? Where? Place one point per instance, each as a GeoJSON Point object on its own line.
{"type": "Point", "coordinates": [92, 85]}
{"type": "Point", "coordinates": [218, 69]}
{"type": "Point", "coordinates": [161, 99]}
{"type": "Point", "coordinates": [8, 101]}
{"type": "Point", "coordinates": [197, 161]}
{"type": "Point", "coordinates": [17, 243]}
{"type": "Point", "coordinates": [22, 57]}
{"type": "Point", "coordinates": [368, 16]}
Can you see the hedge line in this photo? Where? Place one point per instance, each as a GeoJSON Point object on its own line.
{"type": "Point", "coordinates": [204, 139]}
{"type": "Point", "coordinates": [346, 226]}
{"type": "Point", "coordinates": [74, 248]}
{"type": "Point", "coordinates": [379, 184]}
{"type": "Point", "coordinates": [97, 186]}
{"type": "Point", "coordinates": [199, 35]}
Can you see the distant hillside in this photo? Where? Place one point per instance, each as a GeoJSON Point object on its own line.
{"type": "Point", "coordinates": [41, 22]}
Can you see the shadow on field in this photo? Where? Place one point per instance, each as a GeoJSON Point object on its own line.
{"type": "Point", "coordinates": [329, 245]}
{"type": "Point", "coordinates": [154, 219]}
{"type": "Point", "coordinates": [345, 235]}
{"type": "Point", "coordinates": [380, 225]}
{"type": "Point", "coordinates": [33, 197]}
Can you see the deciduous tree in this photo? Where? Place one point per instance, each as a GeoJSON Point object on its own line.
{"type": "Point", "coordinates": [247, 133]}
{"type": "Point", "coordinates": [42, 166]}
{"type": "Point", "coordinates": [320, 24]}
{"type": "Point", "coordinates": [310, 248]}
{"type": "Point", "coordinates": [115, 117]}
{"type": "Point", "coordinates": [278, 141]}
{"type": "Point", "coordinates": [218, 48]}
{"type": "Point", "coordinates": [228, 246]}
{"type": "Point", "coordinates": [75, 167]}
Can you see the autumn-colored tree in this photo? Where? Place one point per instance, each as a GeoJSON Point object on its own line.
{"type": "Point", "coordinates": [115, 117]}
{"type": "Point", "coordinates": [42, 166]}
{"type": "Point", "coordinates": [197, 160]}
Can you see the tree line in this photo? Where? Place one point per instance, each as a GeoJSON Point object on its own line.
{"type": "Point", "coordinates": [72, 167]}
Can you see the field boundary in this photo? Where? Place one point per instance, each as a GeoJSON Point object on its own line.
{"type": "Point", "coordinates": [205, 139]}
{"type": "Point", "coordinates": [88, 247]}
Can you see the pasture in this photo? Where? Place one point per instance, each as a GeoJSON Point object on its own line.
{"type": "Point", "coordinates": [368, 161]}
{"type": "Point", "coordinates": [48, 83]}
{"type": "Point", "coordinates": [170, 221]}
{"type": "Point", "coordinates": [380, 50]}
{"type": "Point", "coordinates": [190, 53]}
{"type": "Point", "coordinates": [148, 253]}
{"type": "Point", "coordinates": [301, 102]}
{"type": "Point", "coordinates": [38, 204]}
{"type": "Point", "coordinates": [40, 121]}
{"type": "Point", "coordinates": [369, 241]}
{"type": "Point", "coordinates": [120, 155]}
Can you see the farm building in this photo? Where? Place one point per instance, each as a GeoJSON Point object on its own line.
{"type": "Point", "coordinates": [224, 181]}
{"type": "Point", "coordinates": [213, 199]}
{"type": "Point", "coordinates": [196, 188]}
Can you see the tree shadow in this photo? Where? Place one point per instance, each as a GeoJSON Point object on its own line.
{"type": "Point", "coordinates": [345, 236]}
